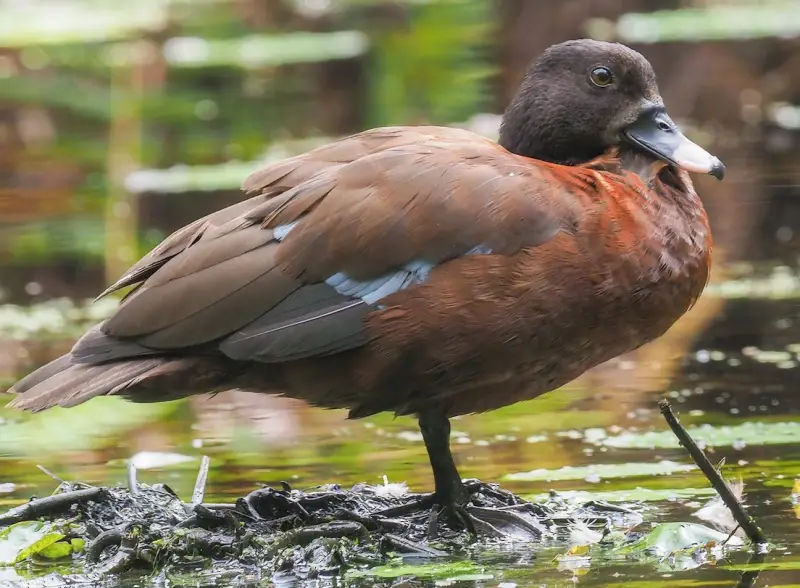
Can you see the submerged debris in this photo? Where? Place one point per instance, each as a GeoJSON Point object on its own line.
{"type": "Point", "coordinates": [322, 531]}
{"type": "Point", "coordinates": [330, 531]}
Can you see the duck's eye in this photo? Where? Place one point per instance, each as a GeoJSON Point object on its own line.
{"type": "Point", "coordinates": [601, 77]}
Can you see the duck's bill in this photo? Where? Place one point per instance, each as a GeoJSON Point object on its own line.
{"type": "Point", "coordinates": [655, 132]}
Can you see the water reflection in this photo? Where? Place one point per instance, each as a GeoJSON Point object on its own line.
{"type": "Point", "coordinates": [727, 362]}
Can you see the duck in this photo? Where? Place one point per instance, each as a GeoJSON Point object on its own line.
{"type": "Point", "coordinates": [424, 270]}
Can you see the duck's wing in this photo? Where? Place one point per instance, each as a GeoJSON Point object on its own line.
{"type": "Point", "coordinates": [276, 179]}
{"type": "Point", "coordinates": [292, 272]}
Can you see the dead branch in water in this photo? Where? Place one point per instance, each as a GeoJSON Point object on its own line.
{"type": "Point", "coordinates": [746, 522]}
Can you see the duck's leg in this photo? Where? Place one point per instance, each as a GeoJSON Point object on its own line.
{"type": "Point", "coordinates": [451, 494]}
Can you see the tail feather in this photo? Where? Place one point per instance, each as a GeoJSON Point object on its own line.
{"type": "Point", "coordinates": [62, 383]}
{"type": "Point", "coordinates": [65, 382]}
{"type": "Point", "coordinates": [95, 346]}
{"type": "Point", "coordinates": [43, 373]}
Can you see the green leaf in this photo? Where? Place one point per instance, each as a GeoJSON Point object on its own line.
{"type": "Point", "coordinates": [22, 540]}
{"type": "Point", "coordinates": [77, 544]}
{"type": "Point", "coordinates": [58, 550]}
{"type": "Point", "coordinates": [669, 538]}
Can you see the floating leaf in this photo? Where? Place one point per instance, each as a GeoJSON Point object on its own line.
{"type": "Point", "coordinates": [750, 433]}
{"type": "Point", "coordinates": [637, 494]}
{"type": "Point", "coordinates": [453, 570]}
{"type": "Point", "coordinates": [609, 470]}
{"type": "Point", "coordinates": [22, 540]}
{"type": "Point", "coordinates": [669, 538]}
{"type": "Point", "coordinates": [58, 550]}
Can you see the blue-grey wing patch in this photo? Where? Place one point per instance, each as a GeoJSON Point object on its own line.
{"type": "Point", "coordinates": [320, 319]}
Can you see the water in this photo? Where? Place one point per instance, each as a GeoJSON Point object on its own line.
{"type": "Point", "coordinates": [731, 365]}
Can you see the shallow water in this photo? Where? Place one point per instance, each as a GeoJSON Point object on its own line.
{"type": "Point", "coordinates": [602, 435]}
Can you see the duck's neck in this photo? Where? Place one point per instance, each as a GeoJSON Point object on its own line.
{"type": "Point", "coordinates": [522, 132]}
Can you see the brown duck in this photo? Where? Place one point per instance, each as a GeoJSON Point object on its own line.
{"type": "Point", "coordinates": [424, 270]}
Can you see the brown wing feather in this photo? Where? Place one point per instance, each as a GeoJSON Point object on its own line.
{"type": "Point", "coordinates": [178, 242]}
{"type": "Point", "coordinates": [272, 181]}
{"type": "Point", "coordinates": [431, 201]}
{"type": "Point", "coordinates": [212, 272]}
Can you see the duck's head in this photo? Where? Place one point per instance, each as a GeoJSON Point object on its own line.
{"type": "Point", "coordinates": [581, 98]}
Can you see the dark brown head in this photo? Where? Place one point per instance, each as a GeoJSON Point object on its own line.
{"type": "Point", "coordinates": [581, 98]}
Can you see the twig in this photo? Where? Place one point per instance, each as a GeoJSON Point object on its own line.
{"type": "Point", "coordinates": [133, 485]}
{"type": "Point", "coordinates": [349, 515]}
{"type": "Point", "coordinates": [732, 533]}
{"type": "Point", "coordinates": [50, 474]}
{"type": "Point", "coordinates": [212, 518]}
{"type": "Point", "coordinates": [125, 557]}
{"type": "Point", "coordinates": [200, 484]}
{"type": "Point", "coordinates": [393, 524]}
{"type": "Point", "coordinates": [601, 505]}
{"type": "Point", "coordinates": [49, 504]}
{"type": "Point", "coordinates": [753, 531]}
{"type": "Point", "coordinates": [219, 506]}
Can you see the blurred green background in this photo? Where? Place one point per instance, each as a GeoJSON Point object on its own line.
{"type": "Point", "coordinates": [122, 121]}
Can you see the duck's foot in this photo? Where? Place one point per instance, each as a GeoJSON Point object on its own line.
{"type": "Point", "coordinates": [454, 515]}
{"type": "Point", "coordinates": [506, 522]}
{"type": "Point", "coordinates": [491, 495]}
